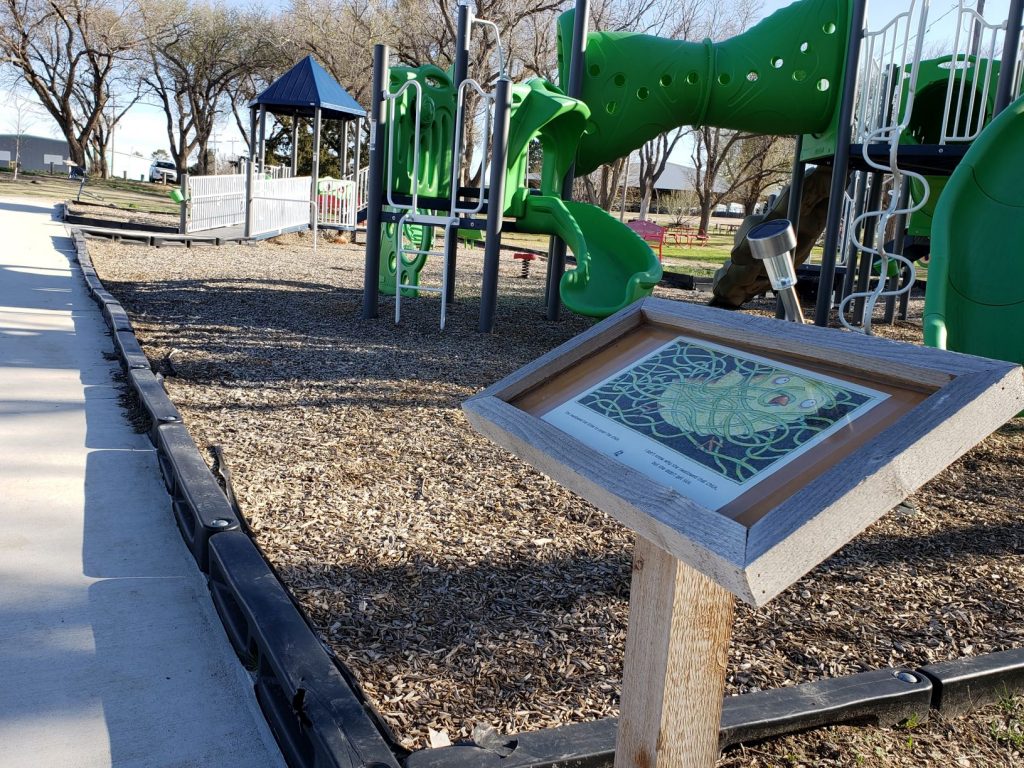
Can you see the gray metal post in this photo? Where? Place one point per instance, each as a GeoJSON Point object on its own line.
{"type": "Point", "coordinates": [343, 155]}
{"type": "Point", "coordinates": [866, 260]}
{"type": "Point", "coordinates": [860, 187]}
{"type": "Point", "coordinates": [796, 195]}
{"type": "Point", "coordinates": [358, 149]}
{"type": "Point", "coordinates": [840, 164]}
{"type": "Point", "coordinates": [577, 60]}
{"type": "Point", "coordinates": [249, 171]}
{"type": "Point", "coordinates": [263, 137]}
{"type": "Point", "coordinates": [492, 249]}
{"type": "Point", "coordinates": [901, 232]}
{"type": "Point", "coordinates": [460, 72]}
{"type": "Point", "coordinates": [314, 173]}
{"type": "Point", "coordinates": [1008, 64]}
{"type": "Point", "coordinates": [295, 145]}
{"type": "Point", "coordinates": [375, 180]}
{"type": "Point", "coordinates": [183, 206]}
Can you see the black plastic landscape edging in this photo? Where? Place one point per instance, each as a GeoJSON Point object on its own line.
{"type": "Point", "coordinates": [200, 507]}
{"type": "Point", "coordinates": [321, 720]}
{"type": "Point", "coordinates": [316, 716]}
{"type": "Point", "coordinates": [969, 683]}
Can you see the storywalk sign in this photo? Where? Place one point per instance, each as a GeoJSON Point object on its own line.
{"type": "Point", "coordinates": [743, 451]}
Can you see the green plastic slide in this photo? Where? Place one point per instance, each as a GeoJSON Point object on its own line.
{"type": "Point", "coordinates": [614, 266]}
{"type": "Point", "coordinates": [782, 76]}
{"type": "Point", "coordinates": [975, 298]}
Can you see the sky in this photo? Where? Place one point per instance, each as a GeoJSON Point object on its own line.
{"type": "Point", "coordinates": [143, 129]}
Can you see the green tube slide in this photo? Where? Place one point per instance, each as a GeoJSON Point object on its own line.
{"type": "Point", "coordinates": [975, 296]}
{"type": "Point", "coordinates": [782, 76]}
{"type": "Point", "coordinates": [614, 266]}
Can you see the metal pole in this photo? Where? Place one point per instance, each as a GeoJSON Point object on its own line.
{"type": "Point", "coordinates": [492, 249]}
{"type": "Point", "coordinates": [866, 260]}
{"type": "Point", "coordinates": [249, 171]}
{"type": "Point", "coordinates": [898, 240]}
{"type": "Point", "coordinates": [183, 207]}
{"type": "Point", "coordinates": [375, 180]}
{"type": "Point", "coordinates": [556, 253]}
{"type": "Point", "coordinates": [860, 187]}
{"type": "Point", "coordinates": [315, 173]}
{"type": "Point", "coordinates": [796, 195]}
{"type": "Point", "coordinates": [295, 145]}
{"type": "Point", "coordinates": [840, 164]}
{"type": "Point", "coordinates": [263, 137]}
{"type": "Point", "coordinates": [1008, 65]}
{"type": "Point", "coordinates": [625, 187]}
{"type": "Point", "coordinates": [343, 155]}
{"type": "Point", "coordinates": [464, 31]}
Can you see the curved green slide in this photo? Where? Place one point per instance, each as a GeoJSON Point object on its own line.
{"type": "Point", "coordinates": [975, 297]}
{"type": "Point", "coordinates": [614, 266]}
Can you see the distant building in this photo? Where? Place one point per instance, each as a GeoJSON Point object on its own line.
{"type": "Point", "coordinates": [38, 153]}
{"type": "Point", "coordinates": [675, 178]}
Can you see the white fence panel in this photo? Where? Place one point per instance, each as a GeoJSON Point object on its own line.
{"type": "Point", "coordinates": [215, 201]}
{"type": "Point", "coordinates": [268, 171]}
{"type": "Point", "coordinates": [280, 204]}
{"type": "Point", "coordinates": [336, 203]}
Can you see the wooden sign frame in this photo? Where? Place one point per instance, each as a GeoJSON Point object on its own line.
{"type": "Point", "coordinates": [950, 402]}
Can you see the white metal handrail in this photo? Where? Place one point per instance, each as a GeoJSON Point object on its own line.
{"type": "Point", "coordinates": [883, 118]}
{"type": "Point", "coordinates": [391, 99]}
{"type": "Point", "coordinates": [971, 27]}
{"type": "Point", "coordinates": [485, 146]}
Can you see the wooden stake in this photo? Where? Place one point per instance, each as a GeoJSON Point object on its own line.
{"type": "Point", "coordinates": [677, 648]}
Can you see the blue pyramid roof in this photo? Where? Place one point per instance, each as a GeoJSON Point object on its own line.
{"type": "Point", "coordinates": [303, 88]}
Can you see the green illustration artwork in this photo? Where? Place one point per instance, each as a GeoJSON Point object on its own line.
{"type": "Point", "coordinates": [736, 415]}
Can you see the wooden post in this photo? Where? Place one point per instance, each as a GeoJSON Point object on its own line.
{"type": "Point", "coordinates": [677, 649]}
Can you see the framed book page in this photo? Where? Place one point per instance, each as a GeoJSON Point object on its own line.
{"type": "Point", "coordinates": [749, 448]}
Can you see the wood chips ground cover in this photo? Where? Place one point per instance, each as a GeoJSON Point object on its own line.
{"type": "Point", "coordinates": [463, 587]}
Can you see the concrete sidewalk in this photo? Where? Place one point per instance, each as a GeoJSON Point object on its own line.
{"type": "Point", "coordinates": [110, 650]}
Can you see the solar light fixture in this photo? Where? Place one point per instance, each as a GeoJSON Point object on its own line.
{"type": "Point", "coordinates": [773, 242]}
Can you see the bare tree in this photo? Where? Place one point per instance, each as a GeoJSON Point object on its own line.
{"type": "Point", "coordinates": [761, 163]}
{"type": "Point", "coordinates": [21, 116]}
{"type": "Point", "coordinates": [601, 187]}
{"type": "Point", "coordinates": [196, 53]}
{"type": "Point", "coordinates": [66, 51]}
{"type": "Point", "coordinates": [653, 159]}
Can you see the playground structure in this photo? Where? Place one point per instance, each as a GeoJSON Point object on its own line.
{"type": "Point", "coordinates": [268, 200]}
{"type": "Point", "coordinates": [907, 122]}
{"type": "Point", "coordinates": [609, 105]}
{"type": "Point", "coordinates": [891, 124]}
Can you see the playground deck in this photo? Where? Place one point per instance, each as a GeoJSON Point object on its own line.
{"type": "Point", "coordinates": [110, 650]}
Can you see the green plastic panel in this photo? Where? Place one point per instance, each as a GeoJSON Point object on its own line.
{"type": "Point", "coordinates": [782, 76]}
{"type": "Point", "coordinates": [975, 298]}
{"type": "Point", "coordinates": [437, 126]}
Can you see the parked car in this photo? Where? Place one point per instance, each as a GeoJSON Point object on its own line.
{"type": "Point", "coordinates": [163, 171]}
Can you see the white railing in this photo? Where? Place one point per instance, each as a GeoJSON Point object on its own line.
{"type": "Point", "coordinates": [976, 46]}
{"type": "Point", "coordinates": [891, 59]}
{"type": "Point", "coordinates": [336, 203]}
{"type": "Point", "coordinates": [215, 201]}
{"type": "Point", "coordinates": [279, 204]}
{"type": "Point", "coordinates": [362, 187]}
{"type": "Point", "coordinates": [268, 171]}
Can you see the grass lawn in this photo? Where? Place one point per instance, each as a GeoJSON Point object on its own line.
{"type": "Point", "coordinates": [130, 195]}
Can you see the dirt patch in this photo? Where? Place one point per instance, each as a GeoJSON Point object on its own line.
{"type": "Point", "coordinates": [463, 587]}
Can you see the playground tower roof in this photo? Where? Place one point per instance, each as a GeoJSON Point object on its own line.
{"type": "Point", "coordinates": [303, 88]}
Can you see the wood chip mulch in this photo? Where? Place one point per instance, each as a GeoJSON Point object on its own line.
{"type": "Point", "coordinates": [463, 587]}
